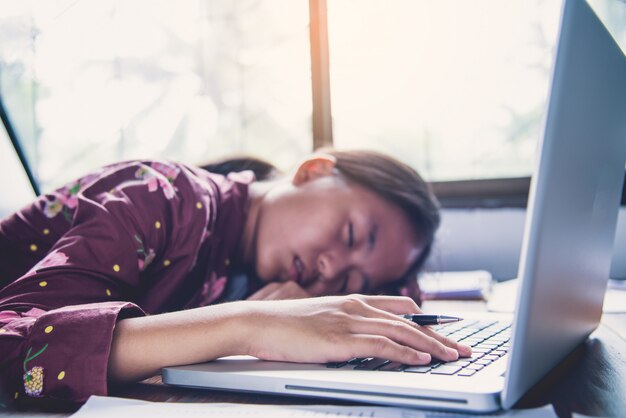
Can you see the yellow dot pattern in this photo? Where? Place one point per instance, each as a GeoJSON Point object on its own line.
{"type": "Point", "coordinates": [46, 231]}
{"type": "Point", "coordinates": [61, 375]}
{"type": "Point", "coordinates": [48, 329]}
{"type": "Point", "coordinates": [17, 394]}
{"type": "Point", "coordinates": [116, 268]}
{"type": "Point", "coordinates": [43, 284]}
{"type": "Point", "coordinates": [33, 247]}
{"type": "Point", "coordinates": [157, 225]}
{"type": "Point", "coordinates": [166, 263]}
{"type": "Point", "coordinates": [199, 205]}
{"type": "Point", "coordinates": [2, 331]}
{"type": "Point", "coordinates": [108, 292]}
{"type": "Point", "coordinates": [227, 262]}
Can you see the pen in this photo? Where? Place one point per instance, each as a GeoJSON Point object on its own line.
{"type": "Point", "coordinates": [423, 319]}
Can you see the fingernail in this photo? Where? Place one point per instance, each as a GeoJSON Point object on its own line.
{"type": "Point", "coordinates": [453, 353]}
{"type": "Point", "coordinates": [424, 357]}
{"type": "Point", "coordinates": [465, 350]}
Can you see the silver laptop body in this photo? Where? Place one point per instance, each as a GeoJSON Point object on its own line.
{"type": "Point", "coordinates": [565, 260]}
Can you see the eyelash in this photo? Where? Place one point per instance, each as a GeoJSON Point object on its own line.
{"type": "Point", "coordinates": [372, 238]}
{"type": "Point", "coordinates": [350, 235]}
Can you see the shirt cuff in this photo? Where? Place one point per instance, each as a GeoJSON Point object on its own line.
{"type": "Point", "coordinates": [66, 354]}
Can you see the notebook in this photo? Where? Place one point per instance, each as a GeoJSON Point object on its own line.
{"type": "Point", "coordinates": [564, 265]}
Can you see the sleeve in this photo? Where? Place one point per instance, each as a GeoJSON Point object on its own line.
{"type": "Point", "coordinates": [57, 320]}
{"type": "Point", "coordinates": [58, 356]}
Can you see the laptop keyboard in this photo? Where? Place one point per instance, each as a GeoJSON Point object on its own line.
{"type": "Point", "coordinates": [489, 341]}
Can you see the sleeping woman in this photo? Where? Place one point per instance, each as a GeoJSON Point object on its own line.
{"type": "Point", "coordinates": [147, 264]}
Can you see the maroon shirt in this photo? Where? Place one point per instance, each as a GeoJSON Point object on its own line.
{"type": "Point", "coordinates": [134, 238]}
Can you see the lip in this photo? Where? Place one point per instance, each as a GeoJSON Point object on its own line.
{"type": "Point", "coordinates": [297, 269]}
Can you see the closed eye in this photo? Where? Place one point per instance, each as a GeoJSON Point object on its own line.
{"type": "Point", "coordinates": [350, 235]}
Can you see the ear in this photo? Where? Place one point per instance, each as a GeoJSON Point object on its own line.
{"type": "Point", "coordinates": [316, 166]}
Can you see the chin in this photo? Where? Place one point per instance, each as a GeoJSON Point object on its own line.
{"type": "Point", "coordinates": [262, 274]}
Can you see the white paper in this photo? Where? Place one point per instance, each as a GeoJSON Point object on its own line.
{"type": "Point", "coordinates": [504, 295]}
{"type": "Point", "coordinates": [107, 407]}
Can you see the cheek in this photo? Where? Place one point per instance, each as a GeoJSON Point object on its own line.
{"type": "Point", "coordinates": [267, 249]}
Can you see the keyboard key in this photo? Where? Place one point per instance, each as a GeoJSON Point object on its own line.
{"type": "Point", "coordinates": [466, 372]}
{"type": "Point", "coordinates": [446, 370]}
{"type": "Point", "coordinates": [498, 352]}
{"type": "Point", "coordinates": [418, 369]}
{"type": "Point", "coordinates": [488, 345]}
{"type": "Point", "coordinates": [460, 363]}
{"type": "Point", "coordinates": [476, 356]}
{"type": "Point", "coordinates": [475, 366]}
{"type": "Point", "coordinates": [491, 357]}
{"type": "Point", "coordinates": [435, 363]}
{"type": "Point", "coordinates": [481, 361]}
{"type": "Point", "coordinates": [372, 364]}
{"type": "Point", "coordinates": [393, 366]}
{"type": "Point", "coordinates": [336, 365]}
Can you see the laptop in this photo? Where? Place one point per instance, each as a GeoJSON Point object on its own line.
{"type": "Point", "coordinates": [564, 266]}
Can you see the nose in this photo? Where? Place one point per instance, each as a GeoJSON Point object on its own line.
{"type": "Point", "coordinates": [331, 265]}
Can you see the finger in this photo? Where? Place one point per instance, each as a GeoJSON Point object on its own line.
{"type": "Point", "coordinates": [323, 288]}
{"type": "Point", "coordinates": [463, 349]}
{"type": "Point", "coordinates": [356, 305]}
{"type": "Point", "coordinates": [363, 346]}
{"type": "Point", "coordinates": [404, 334]}
{"type": "Point", "coordinates": [395, 304]}
{"type": "Point", "coordinates": [289, 290]}
{"type": "Point", "coordinates": [262, 293]}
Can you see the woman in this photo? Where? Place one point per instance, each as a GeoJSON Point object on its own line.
{"type": "Point", "coordinates": [121, 272]}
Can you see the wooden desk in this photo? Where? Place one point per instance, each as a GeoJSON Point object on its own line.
{"type": "Point", "coordinates": [591, 381]}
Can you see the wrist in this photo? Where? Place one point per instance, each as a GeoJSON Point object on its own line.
{"type": "Point", "coordinates": [239, 327]}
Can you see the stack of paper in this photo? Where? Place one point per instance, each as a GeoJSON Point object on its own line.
{"type": "Point", "coordinates": [107, 407]}
{"type": "Point", "coordinates": [457, 285]}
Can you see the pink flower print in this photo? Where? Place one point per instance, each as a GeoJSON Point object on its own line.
{"type": "Point", "coordinates": [70, 192]}
{"type": "Point", "coordinates": [144, 262]}
{"type": "Point", "coordinates": [72, 201]}
{"type": "Point", "coordinates": [55, 258]}
{"type": "Point", "coordinates": [145, 258]}
{"type": "Point", "coordinates": [168, 190]}
{"type": "Point", "coordinates": [170, 172]}
{"type": "Point", "coordinates": [154, 180]}
{"type": "Point", "coordinates": [141, 172]}
{"type": "Point", "coordinates": [153, 184]}
{"type": "Point", "coordinates": [217, 289]}
{"type": "Point", "coordinates": [51, 208]}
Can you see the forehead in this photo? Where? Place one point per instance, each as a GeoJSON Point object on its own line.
{"type": "Point", "coordinates": [398, 244]}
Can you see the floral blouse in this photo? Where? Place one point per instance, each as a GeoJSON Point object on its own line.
{"type": "Point", "coordinates": [134, 238]}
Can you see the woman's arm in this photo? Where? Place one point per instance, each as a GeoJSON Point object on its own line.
{"type": "Point", "coordinates": [141, 346]}
{"type": "Point", "coordinates": [314, 330]}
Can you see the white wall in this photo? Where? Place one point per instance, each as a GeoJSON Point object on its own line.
{"type": "Point", "coordinates": [491, 239]}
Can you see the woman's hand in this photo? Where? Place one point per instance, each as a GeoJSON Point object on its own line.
{"type": "Point", "coordinates": [279, 291]}
{"type": "Point", "coordinates": [338, 328]}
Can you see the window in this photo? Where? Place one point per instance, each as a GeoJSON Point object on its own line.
{"type": "Point", "coordinates": [90, 82]}
{"type": "Point", "coordinates": [456, 89]}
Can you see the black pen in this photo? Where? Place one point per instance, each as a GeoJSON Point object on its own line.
{"type": "Point", "coordinates": [424, 319]}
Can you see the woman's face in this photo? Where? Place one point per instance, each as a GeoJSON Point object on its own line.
{"type": "Point", "coordinates": [331, 236]}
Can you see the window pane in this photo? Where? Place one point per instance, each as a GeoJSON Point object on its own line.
{"type": "Point", "coordinates": [454, 88]}
{"type": "Point", "coordinates": [92, 82]}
